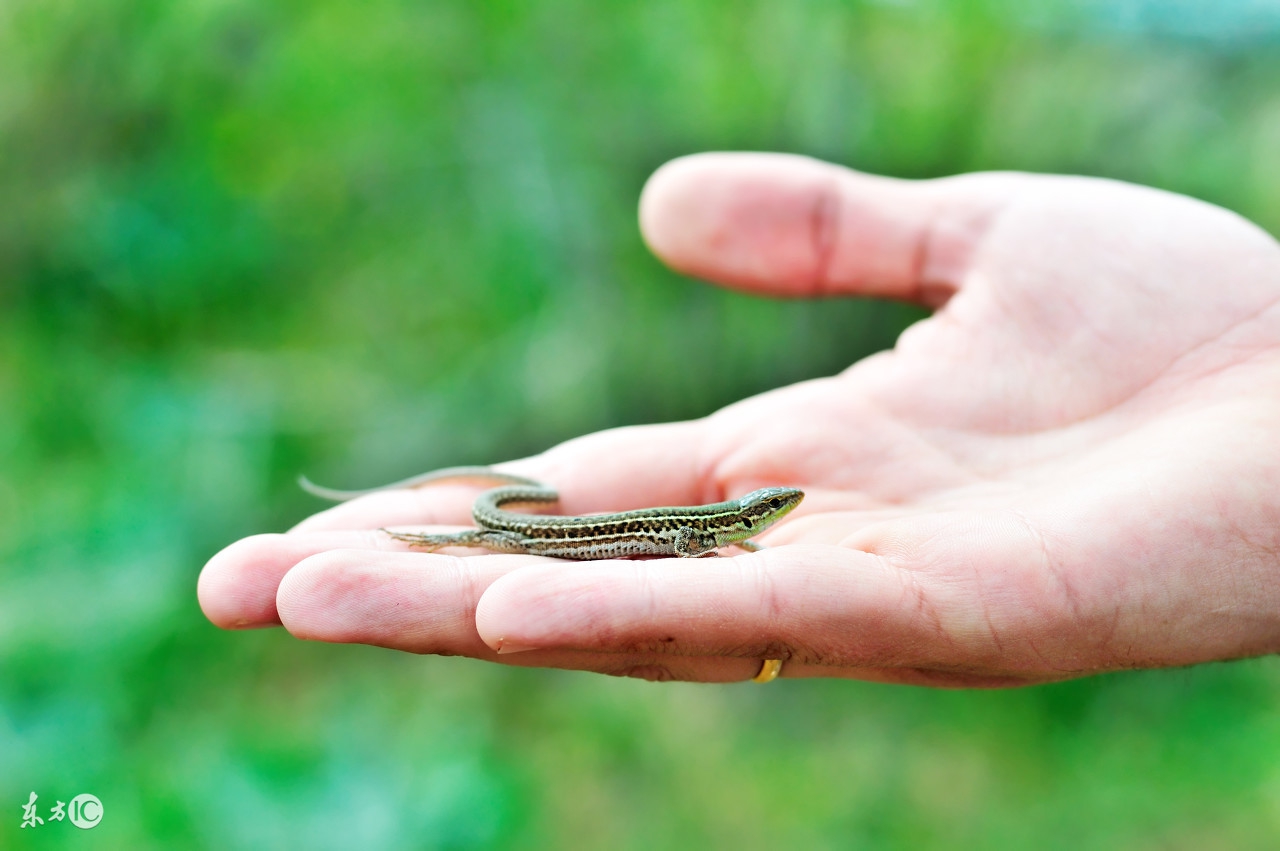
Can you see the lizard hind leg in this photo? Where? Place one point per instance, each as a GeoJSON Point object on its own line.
{"type": "Point", "coordinates": [502, 542]}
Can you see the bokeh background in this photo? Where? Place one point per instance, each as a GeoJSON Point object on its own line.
{"type": "Point", "coordinates": [241, 241]}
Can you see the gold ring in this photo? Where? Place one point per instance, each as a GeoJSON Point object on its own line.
{"type": "Point", "coordinates": [769, 670]}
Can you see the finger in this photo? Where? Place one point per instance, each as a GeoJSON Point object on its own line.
{"type": "Point", "coordinates": [421, 602]}
{"type": "Point", "coordinates": [614, 470]}
{"type": "Point", "coordinates": [425, 603]}
{"type": "Point", "coordinates": [237, 588]}
{"type": "Point", "coordinates": [791, 225]}
{"type": "Point", "coordinates": [818, 605]}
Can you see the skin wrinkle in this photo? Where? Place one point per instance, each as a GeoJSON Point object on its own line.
{"type": "Point", "coordinates": [638, 646]}
{"type": "Point", "coordinates": [777, 649]}
{"type": "Point", "coordinates": [1013, 304]}
{"type": "Point", "coordinates": [1034, 647]}
{"type": "Point", "coordinates": [824, 222]}
{"type": "Point", "coordinates": [1245, 321]}
{"type": "Point", "coordinates": [1108, 637]}
{"type": "Point", "coordinates": [1114, 619]}
{"type": "Point", "coordinates": [706, 466]}
{"type": "Point", "coordinates": [1268, 549]}
{"type": "Point", "coordinates": [650, 599]}
{"type": "Point", "coordinates": [453, 570]}
{"type": "Point", "coordinates": [921, 253]}
{"type": "Point", "coordinates": [1070, 596]}
{"type": "Point", "coordinates": [1041, 545]}
{"type": "Point", "coordinates": [992, 632]}
{"type": "Point", "coordinates": [969, 226]}
{"type": "Point", "coordinates": [924, 437]}
{"type": "Point", "coordinates": [919, 602]}
{"type": "Point", "coordinates": [758, 569]}
{"type": "Point", "coordinates": [747, 444]}
{"type": "Point", "coordinates": [919, 436]}
{"type": "Point", "coordinates": [1245, 584]}
{"type": "Point", "coordinates": [935, 294]}
{"type": "Point", "coordinates": [1147, 386]}
{"type": "Point", "coordinates": [787, 651]}
{"type": "Point", "coordinates": [475, 588]}
{"type": "Point", "coordinates": [729, 475]}
{"type": "Point", "coordinates": [603, 633]}
{"type": "Point", "coordinates": [943, 678]}
{"type": "Point", "coordinates": [654, 673]}
{"type": "Point", "coordinates": [915, 598]}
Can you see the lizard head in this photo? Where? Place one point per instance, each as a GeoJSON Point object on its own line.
{"type": "Point", "coordinates": [762, 508]}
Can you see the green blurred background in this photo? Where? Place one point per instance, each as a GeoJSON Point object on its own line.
{"type": "Point", "coordinates": [244, 240]}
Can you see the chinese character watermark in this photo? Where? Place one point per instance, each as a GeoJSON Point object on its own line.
{"type": "Point", "coordinates": [85, 811]}
{"type": "Point", "coordinates": [29, 817]}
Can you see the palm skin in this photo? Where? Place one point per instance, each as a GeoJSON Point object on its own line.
{"type": "Point", "coordinates": [1071, 467]}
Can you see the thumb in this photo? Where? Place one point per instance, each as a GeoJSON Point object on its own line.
{"type": "Point", "coordinates": [794, 226]}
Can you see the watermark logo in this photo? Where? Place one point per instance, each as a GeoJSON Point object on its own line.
{"type": "Point", "coordinates": [85, 811]}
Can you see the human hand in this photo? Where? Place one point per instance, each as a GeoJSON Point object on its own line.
{"type": "Point", "coordinates": [1071, 467]}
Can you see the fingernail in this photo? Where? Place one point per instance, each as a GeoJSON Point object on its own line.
{"type": "Point", "coordinates": [505, 647]}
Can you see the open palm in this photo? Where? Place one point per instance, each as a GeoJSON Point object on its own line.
{"type": "Point", "coordinates": [1071, 467]}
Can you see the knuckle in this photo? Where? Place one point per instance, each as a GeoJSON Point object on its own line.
{"type": "Point", "coordinates": [823, 224]}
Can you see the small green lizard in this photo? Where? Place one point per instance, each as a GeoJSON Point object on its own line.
{"type": "Point", "coordinates": [689, 531]}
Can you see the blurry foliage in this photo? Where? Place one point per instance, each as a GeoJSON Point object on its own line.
{"type": "Point", "coordinates": [240, 241]}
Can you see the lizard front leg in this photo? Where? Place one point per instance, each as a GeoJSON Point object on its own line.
{"type": "Point", "coordinates": [691, 543]}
